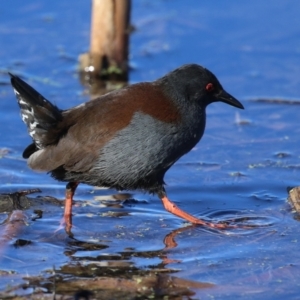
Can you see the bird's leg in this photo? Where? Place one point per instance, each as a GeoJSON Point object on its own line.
{"type": "Point", "coordinates": [70, 191]}
{"type": "Point", "coordinates": [174, 209]}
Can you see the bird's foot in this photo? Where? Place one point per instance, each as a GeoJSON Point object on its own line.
{"type": "Point", "coordinates": [212, 225]}
{"type": "Point", "coordinates": [174, 209]}
{"type": "Point", "coordinates": [229, 224]}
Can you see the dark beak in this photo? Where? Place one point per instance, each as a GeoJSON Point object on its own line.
{"type": "Point", "coordinates": [227, 98]}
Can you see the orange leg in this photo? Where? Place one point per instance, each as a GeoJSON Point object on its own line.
{"type": "Point", "coordinates": [175, 210]}
{"type": "Point", "coordinates": [70, 191]}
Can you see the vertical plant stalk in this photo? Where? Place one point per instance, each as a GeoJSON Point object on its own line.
{"type": "Point", "coordinates": [108, 56]}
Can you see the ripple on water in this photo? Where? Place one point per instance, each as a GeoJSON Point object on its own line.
{"type": "Point", "coordinates": [247, 223]}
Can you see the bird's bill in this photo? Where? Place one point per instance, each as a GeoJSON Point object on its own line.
{"type": "Point", "coordinates": [227, 98]}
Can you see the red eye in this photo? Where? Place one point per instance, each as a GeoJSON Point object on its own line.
{"type": "Point", "coordinates": [209, 87]}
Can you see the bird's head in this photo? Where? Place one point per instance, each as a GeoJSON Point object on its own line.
{"type": "Point", "coordinates": [197, 84]}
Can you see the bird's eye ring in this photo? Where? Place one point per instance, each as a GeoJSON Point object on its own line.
{"type": "Point", "coordinates": [209, 87]}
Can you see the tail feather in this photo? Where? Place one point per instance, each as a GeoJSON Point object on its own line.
{"type": "Point", "coordinates": [40, 116]}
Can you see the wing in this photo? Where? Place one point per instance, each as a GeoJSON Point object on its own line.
{"type": "Point", "coordinates": [91, 125]}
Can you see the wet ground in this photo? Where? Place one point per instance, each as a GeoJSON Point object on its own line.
{"type": "Point", "coordinates": [125, 245]}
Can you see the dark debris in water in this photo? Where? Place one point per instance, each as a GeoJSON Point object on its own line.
{"type": "Point", "coordinates": [237, 174]}
{"type": "Point", "coordinates": [19, 200]}
{"type": "Point", "coordinates": [274, 164]}
{"type": "Point", "coordinates": [150, 285]}
{"type": "Point", "coordinates": [74, 245]}
{"type": "Point", "coordinates": [21, 243]}
{"type": "Point", "coordinates": [282, 155]}
{"type": "Point", "coordinates": [277, 101]}
{"type": "Point", "coordinates": [154, 284]}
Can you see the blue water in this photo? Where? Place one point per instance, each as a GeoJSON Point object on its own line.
{"type": "Point", "coordinates": [236, 170]}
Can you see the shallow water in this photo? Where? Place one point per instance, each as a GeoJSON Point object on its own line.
{"type": "Point", "coordinates": [240, 170]}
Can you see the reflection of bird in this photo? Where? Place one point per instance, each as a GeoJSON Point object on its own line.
{"type": "Point", "coordinates": [126, 139]}
{"type": "Point", "coordinates": [169, 239]}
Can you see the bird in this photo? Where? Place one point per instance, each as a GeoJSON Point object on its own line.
{"type": "Point", "coordinates": [126, 139]}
